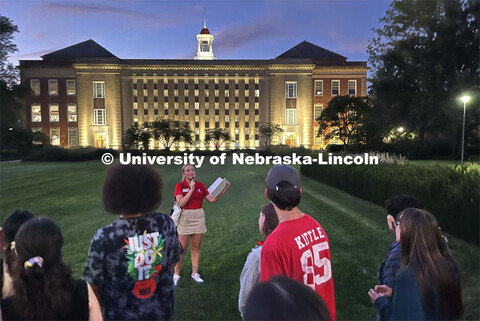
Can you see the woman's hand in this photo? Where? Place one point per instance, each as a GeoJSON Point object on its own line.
{"type": "Point", "coordinates": [374, 295]}
{"type": "Point", "coordinates": [384, 289]}
{"type": "Point", "coordinates": [379, 291]}
{"type": "Point", "coordinates": [192, 184]}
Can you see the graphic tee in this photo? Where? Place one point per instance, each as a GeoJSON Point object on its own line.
{"type": "Point", "coordinates": [300, 249]}
{"type": "Point", "coordinates": [131, 260]}
{"type": "Point", "coordinates": [196, 200]}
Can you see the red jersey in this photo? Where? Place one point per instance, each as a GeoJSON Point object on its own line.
{"type": "Point", "coordinates": [299, 249]}
{"type": "Point", "coordinates": [196, 200]}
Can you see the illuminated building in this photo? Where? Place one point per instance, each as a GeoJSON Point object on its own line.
{"type": "Point", "coordinates": [83, 95]}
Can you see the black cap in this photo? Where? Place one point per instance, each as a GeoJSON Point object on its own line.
{"type": "Point", "coordinates": [282, 173]}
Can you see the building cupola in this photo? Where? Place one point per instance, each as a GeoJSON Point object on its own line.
{"type": "Point", "coordinates": [205, 44]}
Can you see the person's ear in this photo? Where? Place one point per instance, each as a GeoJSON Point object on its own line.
{"type": "Point", "coordinates": [301, 191]}
{"type": "Point", "coordinates": [266, 194]}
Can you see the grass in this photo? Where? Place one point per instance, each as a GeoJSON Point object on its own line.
{"type": "Point", "coordinates": [69, 193]}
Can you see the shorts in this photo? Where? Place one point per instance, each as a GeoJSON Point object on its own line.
{"type": "Point", "coordinates": [192, 222]}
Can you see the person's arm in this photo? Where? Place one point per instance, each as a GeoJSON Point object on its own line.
{"type": "Point", "coordinates": [211, 199]}
{"type": "Point", "coordinates": [95, 313]}
{"type": "Point", "coordinates": [392, 265]}
{"type": "Point", "coordinates": [182, 200]}
{"type": "Point", "coordinates": [249, 277]}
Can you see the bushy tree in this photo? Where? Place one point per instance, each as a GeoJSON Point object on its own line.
{"type": "Point", "coordinates": [344, 118]}
{"type": "Point", "coordinates": [219, 136]}
{"type": "Point", "coordinates": [8, 72]}
{"type": "Point", "coordinates": [268, 131]}
{"type": "Point", "coordinates": [169, 131]}
{"type": "Point", "coordinates": [424, 56]}
{"type": "Point", "coordinates": [137, 137]}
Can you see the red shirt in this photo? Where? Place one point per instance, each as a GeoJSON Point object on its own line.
{"type": "Point", "coordinates": [196, 200]}
{"type": "Point", "coordinates": [299, 249]}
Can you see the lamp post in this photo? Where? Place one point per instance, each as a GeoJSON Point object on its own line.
{"type": "Point", "coordinates": [465, 99]}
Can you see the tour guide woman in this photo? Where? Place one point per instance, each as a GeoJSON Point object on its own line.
{"type": "Point", "coordinates": [189, 194]}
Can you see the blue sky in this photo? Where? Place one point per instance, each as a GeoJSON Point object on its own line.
{"type": "Point", "coordinates": [167, 29]}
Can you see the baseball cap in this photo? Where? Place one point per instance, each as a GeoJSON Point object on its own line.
{"type": "Point", "coordinates": [280, 173]}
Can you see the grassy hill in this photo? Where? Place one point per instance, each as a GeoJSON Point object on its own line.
{"type": "Point", "coordinates": [69, 193]}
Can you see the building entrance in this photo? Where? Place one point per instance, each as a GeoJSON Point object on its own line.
{"type": "Point", "coordinates": [100, 140]}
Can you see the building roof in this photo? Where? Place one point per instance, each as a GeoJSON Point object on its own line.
{"type": "Point", "coordinates": [87, 48]}
{"type": "Point", "coordinates": [306, 49]}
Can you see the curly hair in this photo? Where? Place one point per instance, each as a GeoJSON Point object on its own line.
{"type": "Point", "coordinates": [131, 189]}
{"type": "Point", "coordinates": [41, 292]}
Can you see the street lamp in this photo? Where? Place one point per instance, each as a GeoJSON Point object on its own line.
{"type": "Point", "coordinates": [465, 99]}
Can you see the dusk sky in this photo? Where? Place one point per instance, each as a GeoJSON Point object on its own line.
{"type": "Point", "coordinates": [167, 29]}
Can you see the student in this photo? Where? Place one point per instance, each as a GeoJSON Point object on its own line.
{"type": "Point", "coordinates": [282, 298]}
{"type": "Point", "coordinates": [391, 263]}
{"type": "Point", "coordinates": [44, 288]}
{"type": "Point", "coordinates": [11, 225]}
{"type": "Point", "coordinates": [189, 194]}
{"type": "Point", "coordinates": [250, 275]}
{"type": "Point", "coordinates": [427, 286]}
{"type": "Point", "coordinates": [129, 261]}
{"type": "Point", "coordinates": [299, 247]}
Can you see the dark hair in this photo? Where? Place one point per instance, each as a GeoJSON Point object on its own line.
{"type": "Point", "coordinates": [41, 292]}
{"type": "Point", "coordinates": [271, 219]}
{"type": "Point", "coordinates": [11, 225]}
{"type": "Point", "coordinates": [282, 298]}
{"type": "Point", "coordinates": [398, 203]}
{"type": "Point", "coordinates": [131, 189]}
{"type": "Point", "coordinates": [425, 250]}
{"type": "Point", "coordinates": [287, 197]}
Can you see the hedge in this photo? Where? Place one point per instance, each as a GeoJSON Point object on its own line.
{"type": "Point", "coordinates": [452, 194]}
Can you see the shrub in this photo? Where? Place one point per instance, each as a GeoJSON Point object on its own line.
{"type": "Point", "coordinates": [58, 154]}
{"type": "Point", "coordinates": [451, 193]}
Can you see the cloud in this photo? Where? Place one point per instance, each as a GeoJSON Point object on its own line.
{"type": "Point", "coordinates": [231, 38]}
{"type": "Point", "coordinates": [87, 8]}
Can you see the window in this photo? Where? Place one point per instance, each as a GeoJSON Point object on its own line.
{"type": "Point", "coordinates": [98, 89]}
{"type": "Point", "coordinates": [55, 136]}
{"type": "Point", "coordinates": [36, 113]}
{"type": "Point", "coordinates": [54, 115]}
{"type": "Point", "coordinates": [291, 89]}
{"type": "Point", "coordinates": [99, 117]}
{"type": "Point", "coordinates": [73, 137]}
{"type": "Point", "coordinates": [317, 140]}
{"type": "Point", "coordinates": [53, 87]}
{"type": "Point", "coordinates": [352, 87]}
{"type": "Point", "coordinates": [257, 93]}
{"type": "Point", "coordinates": [290, 116]}
{"type": "Point", "coordinates": [204, 46]}
{"type": "Point", "coordinates": [35, 87]}
{"type": "Point", "coordinates": [317, 111]}
{"type": "Point", "coordinates": [335, 87]}
{"type": "Point", "coordinates": [71, 89]}
{"type": "Point", "coordinates": [72, 112]}
{"type": "Point", "coordinates": [318, 87]}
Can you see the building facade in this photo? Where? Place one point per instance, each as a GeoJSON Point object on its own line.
{"type": "Point", "coordinates": [84, 95]}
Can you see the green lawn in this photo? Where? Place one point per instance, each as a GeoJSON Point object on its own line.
{"type": "Point", "coordinates": [70, 194]}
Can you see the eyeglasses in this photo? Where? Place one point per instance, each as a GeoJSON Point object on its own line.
{"type": "Point", "coordinates": [395, 224]}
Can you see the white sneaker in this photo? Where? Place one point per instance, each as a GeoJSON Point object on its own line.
{"type": "Point", "coordinates": [176, 277]}
{"type": "Point", "coordinates": [196, 277]}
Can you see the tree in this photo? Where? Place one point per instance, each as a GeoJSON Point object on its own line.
{"type": "Point", "coordinates": [423, 57]}
{"type": "Point", "coordinates": [8, 73]}
{"type": "Point", "coordinates": [268, 131]}
{"type": "Point", "coordinates": [343, 118]}
{"type": "Point", "coordinates": [137, 137]}
{"type": "Point", "coordinates": [219, 136]}
{"type": "Point", "coordinates": [169, 131]}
